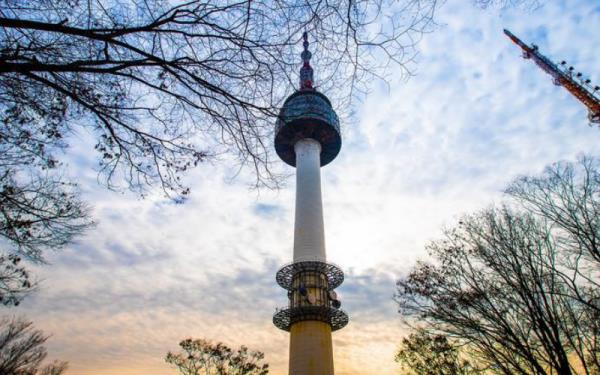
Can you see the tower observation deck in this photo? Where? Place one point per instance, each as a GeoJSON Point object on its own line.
{"type": "Point", "coordinates": [307, 136]}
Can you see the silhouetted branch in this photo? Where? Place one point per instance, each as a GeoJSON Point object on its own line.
{"type": "Point", "coordinates": [14, 280]}
{"type": "Point", "coordinates": [200, 357]}
{"type": "Point", "coordinates": [166, 86]}
{"type": "Point", "coordinates": [22, 350]}
{"type": "Point", "coordinates": [39, 214]}
{"type": "Point", "coordinates": [495, 286]}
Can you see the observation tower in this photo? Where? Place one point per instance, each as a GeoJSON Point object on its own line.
{"type": "Point", "coordinates": [307, 136]}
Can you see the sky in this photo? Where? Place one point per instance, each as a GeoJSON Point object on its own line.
{"type": "Point", "coordinates": [421, 152]}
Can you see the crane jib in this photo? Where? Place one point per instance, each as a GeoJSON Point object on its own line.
{"type": "Point", "coordinates": [563, 76]}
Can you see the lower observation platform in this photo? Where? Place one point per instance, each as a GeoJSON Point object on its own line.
{"type": "Point", "coordinates": [310, 286]}
{"type": "Point", "coordinates": [284, 318]}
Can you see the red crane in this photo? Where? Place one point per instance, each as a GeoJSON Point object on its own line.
{"type": "Point", "coordinates": [563, 76]}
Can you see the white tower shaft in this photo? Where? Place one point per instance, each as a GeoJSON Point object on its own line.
{"type": "Point", "coordinates": [309, 231]}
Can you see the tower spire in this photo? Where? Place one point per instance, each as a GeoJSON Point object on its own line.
{"type": "Point", "coordinates": [306, 72]}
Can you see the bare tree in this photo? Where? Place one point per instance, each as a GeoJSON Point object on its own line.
{"type": "Point", "coordinates": [37, 214]}
{"type": "Point", "coordinates": [22, 351]}
{"type": "Point", "coordinates": [567, 196]}
{"type": "Point", "coordinates": [494, 285]}
{"type": "Point", "coordinates": [165, 85]}
{"type": "Point", "coordinates": [203, 357]}
{"type": "Point", "coordinates": [424, 353]}
{"type": "Point", "coordinates": [520, 287]}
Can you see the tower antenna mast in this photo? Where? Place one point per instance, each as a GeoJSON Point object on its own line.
{"type": "Point", "coordinates": [563, 76]}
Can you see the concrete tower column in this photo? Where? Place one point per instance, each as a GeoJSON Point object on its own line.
{"type": "Point", "coordinates": [309, 233]}
{"type": "Point", "coordinates": [311, 349]}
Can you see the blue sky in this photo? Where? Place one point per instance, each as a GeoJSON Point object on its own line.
{"type": "Point", "coordinates": [420, 152]}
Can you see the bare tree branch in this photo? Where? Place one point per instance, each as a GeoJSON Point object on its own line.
{"type": "Point", "coordinates": [22, 350]}
{"type": "Point", "coordinates": [167, 85]}
{"type": "Point", "coordinates": [198, 357]}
